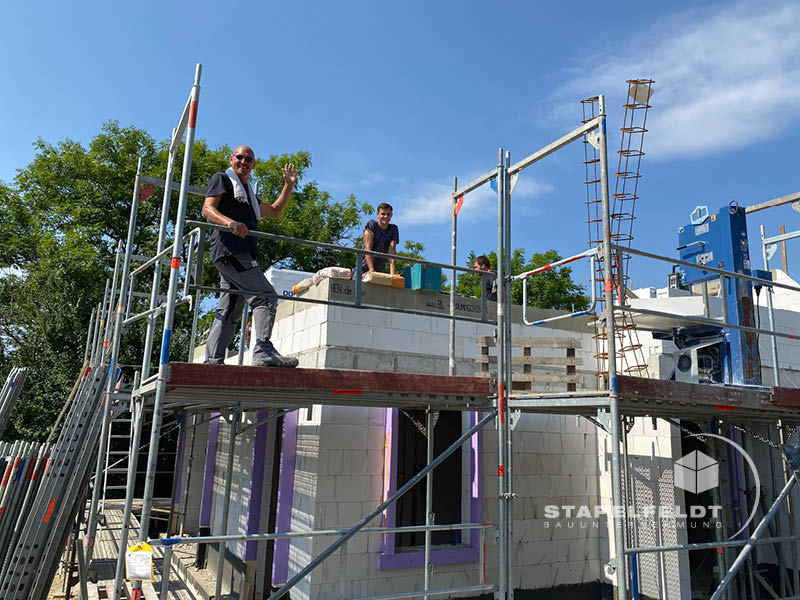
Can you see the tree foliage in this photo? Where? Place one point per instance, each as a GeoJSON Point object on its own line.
{"type": "Point", "coordinates": [550, 289]}
{"type": "Point", "coordinates": [60, 222]}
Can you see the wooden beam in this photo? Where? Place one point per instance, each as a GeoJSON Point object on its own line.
{"type": "Point", "coordinates": [532, 342]}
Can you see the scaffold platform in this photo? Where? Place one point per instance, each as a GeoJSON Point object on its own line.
{"type": "Point", "coordinates": [194, 386]}
{"type": "Point", "coordinates": [643, 397]}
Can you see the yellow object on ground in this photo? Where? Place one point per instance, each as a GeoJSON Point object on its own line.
{"type": "Point", "coordinates": [139, 562]}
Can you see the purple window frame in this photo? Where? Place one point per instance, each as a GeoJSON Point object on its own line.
{"type": "Point", "coordinates": [283, 517]}
{"type": "Point", "coordinates": [388, 557]}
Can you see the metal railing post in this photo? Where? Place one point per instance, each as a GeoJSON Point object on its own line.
{"type": "Point", "coordinates": [198, 279]}
{"type": "Point", "coordinates": [451, 358]}
{"type": "Point", "coordinates": [242, 334]}
{"type": "Point", "coordinates": [428, 498]}
{"type": "Point", "coordinates": [226, 505]}
{"type": "Point", "coordinates": [771, 311]}
{"type": "Point", "coordinates": [162, 232]}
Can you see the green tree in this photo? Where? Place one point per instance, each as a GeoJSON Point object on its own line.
{"type": "Point", "coordinates": [60, 221]}
{"type": "Point", "coordinates": [549, 289]}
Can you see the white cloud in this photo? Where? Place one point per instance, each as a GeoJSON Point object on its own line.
{"type": "Point", "coordinates": [430, 202]}
{"type": "Point", "coordinates": [725, 78]}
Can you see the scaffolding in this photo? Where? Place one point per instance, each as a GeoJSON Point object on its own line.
{"type": "Point", "coordinates": [194, 388]}
{"type": "Point", "coordinates": [171, 387]}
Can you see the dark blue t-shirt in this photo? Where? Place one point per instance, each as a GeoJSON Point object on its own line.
{"type": "Point", "coordinates": [381, 238]}
{"type": "Point", "coordinates": [224, 243]}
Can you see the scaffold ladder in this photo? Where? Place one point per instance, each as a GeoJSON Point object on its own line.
{"type": "Point", "coordinates": [622, 215]}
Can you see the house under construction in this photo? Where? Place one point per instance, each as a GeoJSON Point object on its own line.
{"type": "Point", "coordinates": [431, 445]}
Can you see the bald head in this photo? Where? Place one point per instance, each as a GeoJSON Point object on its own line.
{"type": "Point", "coordinates": [243, 160]}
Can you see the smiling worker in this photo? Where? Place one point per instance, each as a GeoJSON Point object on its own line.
{"type": "Point", "coordinates": [380, 236]}
{"type": "Point", "coordinates": [230, 201]}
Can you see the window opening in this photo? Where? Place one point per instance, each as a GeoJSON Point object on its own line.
{"type": "Point", "coordinates": [411, 459]}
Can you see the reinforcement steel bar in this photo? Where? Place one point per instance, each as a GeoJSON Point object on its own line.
{"type": "Point", "coordinates": [358, 526]}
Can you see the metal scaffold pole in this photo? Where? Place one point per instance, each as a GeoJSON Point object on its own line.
{"type": "Point", "coordinates": [169, 315]}
{"type": "Point", "coordinates": [234, 430]}
{"type": "Point", "coordinates": [451, 358]}
{"type": "Point", "coordinates": [137, 405]}
{"type": "Point", "coordinates": [429, 517]}
{"type": "Point", "coordinates": [502, 411]}
{"type": "Point", "coordinates": [771, 312]}
{"type": "Point", "coordinates": [91, 526]}
{"type": "Point", "coordinates": [616, 473]}
{"type": "Point", "coordinates": [162, 232]}
{"type": "Point", "coordinates": [505, 182]}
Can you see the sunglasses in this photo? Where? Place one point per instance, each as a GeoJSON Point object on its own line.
{"type": "Point", "coordinates": [243, 158]}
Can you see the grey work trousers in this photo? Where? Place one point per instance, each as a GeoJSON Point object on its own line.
{"type": "Point", "coordinates": [241, 272]}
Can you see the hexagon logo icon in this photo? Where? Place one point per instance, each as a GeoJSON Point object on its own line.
{"type": "Point", "coordinates": [696, 472]}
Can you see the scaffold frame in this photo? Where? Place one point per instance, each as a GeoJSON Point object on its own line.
{"type": "Point", "coordinates": [624, 394]}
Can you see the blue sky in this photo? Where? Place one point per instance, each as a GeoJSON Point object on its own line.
{"type": "Point", "coordinates": [394, 99]}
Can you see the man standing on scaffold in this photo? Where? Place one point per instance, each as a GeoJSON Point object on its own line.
{"type": "Point", "coordinates": [231, 202]}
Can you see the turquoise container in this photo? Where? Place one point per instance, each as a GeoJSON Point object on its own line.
{"type": "Point", "coordinates": [423, 277]}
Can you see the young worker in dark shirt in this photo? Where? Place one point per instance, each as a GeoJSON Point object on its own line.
{"type": "Point", "coordinates": [230, 201]}
{"type": "Point", "coordinates": [380, 236]}
{"type": "Point", "coordinates": [488, 283]}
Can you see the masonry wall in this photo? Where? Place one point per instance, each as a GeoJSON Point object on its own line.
{"type": "Point", "coordinates": [340, 459]}
{"type": "Point", "coordinates": [339, 470]}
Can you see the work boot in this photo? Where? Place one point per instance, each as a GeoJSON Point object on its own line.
{"type": "Point", "coordinates": [273, 359]}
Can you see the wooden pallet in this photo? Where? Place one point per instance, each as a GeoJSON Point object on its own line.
{"type": "Point", "coordinates": [561, 352]}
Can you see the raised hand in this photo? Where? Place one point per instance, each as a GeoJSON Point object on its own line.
{"type": "Point", "coordinates": [290, 174]}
